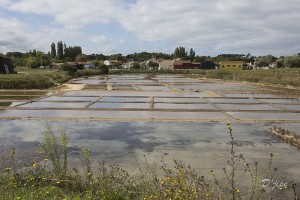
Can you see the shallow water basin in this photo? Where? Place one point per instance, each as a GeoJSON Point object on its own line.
{"type": "Point", "coordinates": [246, 107]}
{"type": "Point", "coordinates": [125, 99]}
{"type": "Point", "coordinates": [89, 82]}
{"type": "Point", "coordinates": [119, 115]}
{"type": "Point", "coordinates": [265, 116]}
{"type": "Point", "coordinates": [54, 105]}
{"type": "Point", "coordinates": [281, 101]}
{"type": "Point", "coordinates": [157, 88]}
{"type": "Point", "coordinates": [233, 100]}
{"type": "Point", "coordinates": [120, 105]}
{"type": "Point", "coordinates": [65, 98]}
{"type": "Point", "coordinates": [137, 93]}
{"type": "Point", "coordinates": [178, 100]}
{"type": "Point", "coordinates": [289, 107]}
{"type": "Point", "coordinates": [213, 86]}
{"type": "Point", "coordinates": [184, 106]}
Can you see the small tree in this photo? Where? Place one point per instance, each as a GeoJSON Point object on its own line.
{"type": "Point", "coordinates": [136, 65]}
{"type": "Point", "coordinates": [192, 55]}
{"type": "Point", "coordinates": [81, 58]}
{"type": "Point", "coordinates": [180, 52]}
{"type": "Point", "coordinates": [291, 61]}
{"type": "Point", "coordinates": [60, 50]}
{"type": "Point", "coordinates": [103, 68]}
{"type": "Point", "coordinates": [53, 51]}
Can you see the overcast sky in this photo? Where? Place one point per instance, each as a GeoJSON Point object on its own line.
{"type": "Point", "coordinates": [210, 27]}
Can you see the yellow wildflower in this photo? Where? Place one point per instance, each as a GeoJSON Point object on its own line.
{"type": "Point", "coordinates": [7, 169]}
{"type": "Point", "coordinates": [34, 164]}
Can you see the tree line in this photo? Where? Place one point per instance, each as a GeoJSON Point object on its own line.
{"type": "Point", "coordinates": [60, 53]}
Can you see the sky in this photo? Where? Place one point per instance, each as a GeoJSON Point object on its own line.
{"type": "Point", "coordinates": [210, 27]}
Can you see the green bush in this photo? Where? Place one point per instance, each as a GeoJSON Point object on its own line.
{"type": "Point", "coordinates": [69, 68]}
{"type": "Point", "coordinates": [104, 69]}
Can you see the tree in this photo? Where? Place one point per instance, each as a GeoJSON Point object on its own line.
{"type": "Point", "coordinates": [265, 61]}
{"type": "Point", "coordinates": [180, 52]}
{"type": "Point", "coordinates": [81, 58]}
{"type": "Point", "coordinates": [118, 57]}
{"type": "Point", "coordinates": [103, 68]}
{"type": "Point", "coordinates": [151, 64]}
{"type": "Point", "coordinates": [280, 62]}
{"type": "Point", "coordinates": [60, 51]}
{"type": "Point", "coordinates": [53, 51]}
{"type": "Point", "coordinates": [136, 65]}
{"type": "Point", "coordinates": [32, 62]}
{"type": "Point", "coordinates": [192, 55]}
{"type": "Point", "coordinates": [72, 52]}
{"type": "Point", "coordinates": [291, 61]}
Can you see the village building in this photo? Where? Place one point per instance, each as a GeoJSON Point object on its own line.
{"type": "Point", "coordinates": [208, 65]}
{"type": "Point", "coordinates": [166, 65]}
{"type": "Point", "coordinates": [237, 65]}
{"type": "Point", "coordinates": [186, 64]}
{"type": "Point", "coordinates": [6, 66]}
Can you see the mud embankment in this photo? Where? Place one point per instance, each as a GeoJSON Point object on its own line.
{"type": "Point", "coordinates": [288, 137]}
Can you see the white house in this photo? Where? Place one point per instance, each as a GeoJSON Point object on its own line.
{"type": "Point", "coordinates": [107, 62]}
{"type": "Point", "coordinates": [111, 63]}
{"type": "Point", "coordinates": [166, 64]}
{"type": "Point", "coordinates": [128, 65]}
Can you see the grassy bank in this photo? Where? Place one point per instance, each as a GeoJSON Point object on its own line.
{"type": "Point", "coordinates": [283, 77]}
{"type": "Point", "coordinates": [275, 77]}
{"type": "Point", "coordinates": [28, 78]}
{"type": "Point", "coordinates": [51, 178]}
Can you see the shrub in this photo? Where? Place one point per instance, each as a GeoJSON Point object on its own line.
{"type": "Point", "coordinates": [69, 68]}
{"type": "Point", "coordinates": [103, 68]}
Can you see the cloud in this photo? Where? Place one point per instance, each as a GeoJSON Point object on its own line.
{"type": "Point", "coordinates": [221, 25]}
{"type": "Point", "coordinates": [212, 26]}
{"type": "Point", "coordinates": [10, 35]}
{"type": "Point", "coordinates": [98, 39]}
{"type": "Point", "coordinates": [18, 36]}
{"type": "Point", "coordinates": [75, 12]}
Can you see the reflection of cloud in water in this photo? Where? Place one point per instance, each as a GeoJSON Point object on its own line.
{"type": "Point", "coordinates": [118, 131]}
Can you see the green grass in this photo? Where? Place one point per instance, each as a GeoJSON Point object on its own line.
{"type": "Point", "coordinates": [290, 77]}
{"type": "Point", "coordinates": [27, 78]}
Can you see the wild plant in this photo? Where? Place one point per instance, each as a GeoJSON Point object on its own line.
{"type": "Point", "coordinates": [239, 170]}
{"type": "Point", "coordinates": [56, 150]}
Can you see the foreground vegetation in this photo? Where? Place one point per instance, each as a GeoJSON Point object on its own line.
{"type": "Point", "coordinates": [52, 178]}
